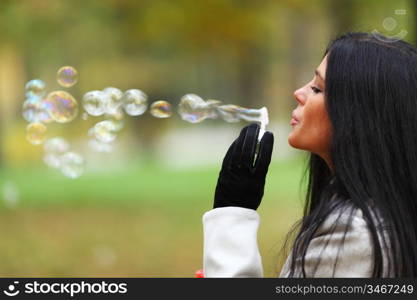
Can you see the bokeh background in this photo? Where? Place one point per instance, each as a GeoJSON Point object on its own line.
{"type": "Point", "coordinates": [137, 210]}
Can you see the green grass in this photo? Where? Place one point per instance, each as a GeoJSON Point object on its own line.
{"type": "Point", "coordinates": [142, 221]}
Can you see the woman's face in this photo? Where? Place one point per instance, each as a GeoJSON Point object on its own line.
{"type": "Point", "coordinates": [311, 127]}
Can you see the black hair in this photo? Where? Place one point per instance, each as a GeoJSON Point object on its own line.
{"type": "Point", "coordinates": [371, 100]}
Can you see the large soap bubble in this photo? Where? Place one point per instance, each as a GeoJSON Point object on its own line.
{"type": "Point", "coordinates": [135, 102]}
{"type": "Point", "coordinates": [62, 106]}
{"type": "Point", "coordinates": [36, 133]}
{"type": "Point", "coordinates": [94, 102]}
{"type": "Point", "coordinates": [193, 108]}
{"type": "Point", "coordinates": [161, 109]}
{"type": "Point", "coordinates": [67, 76]}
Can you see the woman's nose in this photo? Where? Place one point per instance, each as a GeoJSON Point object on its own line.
{"type": "Point", "coordinates": [299, 97]}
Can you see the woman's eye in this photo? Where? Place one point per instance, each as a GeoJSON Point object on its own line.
{"type": "Point", "coordinates": [315, 90]}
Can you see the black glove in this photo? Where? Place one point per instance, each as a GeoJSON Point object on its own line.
{"type": "Point", "coordinates": [242, 179]}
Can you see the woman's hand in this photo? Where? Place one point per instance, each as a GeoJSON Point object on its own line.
{"type": "Point", "coordinates": [242, 176]}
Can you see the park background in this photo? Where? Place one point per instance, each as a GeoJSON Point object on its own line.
{"type": "Point", "coordinates": [137, 210]}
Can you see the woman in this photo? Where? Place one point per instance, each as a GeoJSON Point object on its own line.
{"type": "Point", "coordinates": [358, 119]}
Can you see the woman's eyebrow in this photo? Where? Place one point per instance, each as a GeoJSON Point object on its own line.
{"type": "Point", "coordinates": [318, 74]}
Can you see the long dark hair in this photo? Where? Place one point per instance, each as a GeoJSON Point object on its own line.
{"type": "Point", "coordinates": [371, 100]}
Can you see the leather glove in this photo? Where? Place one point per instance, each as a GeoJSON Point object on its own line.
{"type": "Point", "coordinates": [242, 177]}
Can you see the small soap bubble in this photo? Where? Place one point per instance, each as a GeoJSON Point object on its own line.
{"type": "Point", "coordinates": [212, 108]}
{"type": "Point", "coordinates": [84, 116]}
{"type": "Point", "coordinates": [35, 87]}
{"type": "Point", "coordinates": [230, 112]}
{"type": "Point", "coordinates": [52, 160]}
{"type": "Point", "coordinates": [94, 102]}
{"type": "Point", "coordinates": [56, 145]}
{"type": "Point", "coordinates": [36, 133]}
{"type": "Point", "coordinates": [72, 164]}
{"type": "Point", "coordinates": [67, 76]}
{"type": "Point", "coordinates": [161, 109]}
{"type": "Point", "coordinates": [233, 113]}
{"type": "Point", "coordinates": [113, 101]}
{"type": "Point", "coordinates": [35, 110]}
{"type": "Point", "coordinates": [135, 102]}
{"type": "Point", "coordinates": [62, 106]}
{"type": "Point", "coordinates": [105, 131]}
{"type": "Point", "coordinates": [192, 108]}
{"type": "Point", "coordinates": [99, 146]}
{"type": "Point", "coordinates": [10, 194]}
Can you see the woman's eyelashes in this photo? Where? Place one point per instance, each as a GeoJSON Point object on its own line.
{"type": "Point", "coordinates": [315, 90]}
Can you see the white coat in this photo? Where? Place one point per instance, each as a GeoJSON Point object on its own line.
{"type": "Point", "coordinates": [231, 249]}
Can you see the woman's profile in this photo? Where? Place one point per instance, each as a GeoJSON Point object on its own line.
{"type": "Point", "coordinates": [357, 120]}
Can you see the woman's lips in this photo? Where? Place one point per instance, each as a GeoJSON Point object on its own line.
{"type": "Point", "coordinates": [294, 120]}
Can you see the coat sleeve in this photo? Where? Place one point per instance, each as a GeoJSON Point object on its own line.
{"type": "Point", "coordinates": [230, 243]}
{"type": "Point", "coordinates": [326, 256]}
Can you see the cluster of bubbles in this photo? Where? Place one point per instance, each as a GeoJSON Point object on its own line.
{"type": "Point", "coordinates": [41, 108]}
{"type": "Point", "coordinates": [60, 106]}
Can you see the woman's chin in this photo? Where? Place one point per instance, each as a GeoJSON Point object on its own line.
{"type": "Point", "coordinates": [293, 140]}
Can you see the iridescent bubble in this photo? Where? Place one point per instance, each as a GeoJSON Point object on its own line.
{"type": "Point", "coordinates": [52, 160]}
{"type": "Point", "coordinates": [192, 108]}
{"type": "Point", "coordinates": [105, 131]}
{"type": "Point", "coordinates": [161, 109]}
{"type": "Point", "coordinates": [35, 87]}
{"type": "Point", "coordinates": [57, 145]}
{"type": "Point", "coordinates": [212, 108]}
{"type": "Point", "coordinates": [234, 113]}
{"type": "Point", "coordinates": [135, 102]}
{"type": "Point", "coordinates": [36, 133]}
{"type": "Point", "coordinates": [67, 76]}
{"type": "Point", "coordinates": [34, 110]}
{"type": "Point", "coordinates": [99, 146]}
{"type": "Point", "coordinates": [94, 102]}
{"type": "Point", "coordinates": [72, 164]}
{"type": "Point", "coordinates": [113, 101]}
{"type": "Point", "coordinates": [62, 106]}
{"type": "Point", "coordinates": [230, 112]}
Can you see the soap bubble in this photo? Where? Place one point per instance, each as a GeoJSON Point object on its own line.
{"type": "Point", "coordinates": [105, 131]}
{"type": "Point", "coordinates": [192, 108]}
{"type": "Point", "coordinates": [99, 146]}
{"type": "Point", "coordinates": [94, 102]}
{"type": "Point", "coordinates": [35, 87]}
{"type": "Point", "coordinates": [35, 110]}
{"type": "Point", "coordinates": [52, 160]}
{"type": "Point", "coordinates": [67, 76]}
{"type": "Point", "coordinates": [72, 165]}
{"type": "Point", "coordinates": [230, 112]}
{"type": "Point", "coordinates": [212, 108]}
{"type": "Point", "coordinates": [233, 113]}
{"type": "Point", "coordinates": [56, 145]}
{"type": "Point", "coordinates": [135, 102]}
{"type": "Point", "coordinates": [10, 194]}
{"type": "Point", "coordinates": [161, 109]}
{"type": "Point", "coordinates": [113, 101]}
{"type": "Point", "coordinates": [62, 106]}
{"type": "Point", "coordinates": [36, 133]}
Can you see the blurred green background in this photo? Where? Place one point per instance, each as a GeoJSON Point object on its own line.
{"type": "Point", "coordinates": [137, 210]}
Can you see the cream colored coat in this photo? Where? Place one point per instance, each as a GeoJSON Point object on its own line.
{"type": "Point", "coordinates": [231, 249]}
